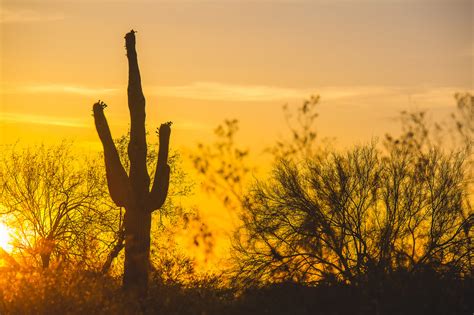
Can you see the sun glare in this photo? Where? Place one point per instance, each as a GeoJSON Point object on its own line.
{"type": "Point", "coordinates": [5, 237]}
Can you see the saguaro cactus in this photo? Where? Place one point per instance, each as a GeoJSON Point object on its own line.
{"type": "Point", "coordinates": [132, 191]}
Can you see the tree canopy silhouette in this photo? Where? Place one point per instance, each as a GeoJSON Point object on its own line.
{"type": "Point", "coordinates": [56, 202]}
{"type": "Point", "coordinates": [354, 215]}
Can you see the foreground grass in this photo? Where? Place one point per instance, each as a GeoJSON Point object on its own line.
{"type": "Point", "coordinates": [48, 292]}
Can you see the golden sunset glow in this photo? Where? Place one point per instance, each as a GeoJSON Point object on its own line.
{"type": "Point", "coordinates": [205, 61]}
{"type": "Point", "coordinates": [5, 238]}
{"type": "Point", "coordinates": [162, 155]}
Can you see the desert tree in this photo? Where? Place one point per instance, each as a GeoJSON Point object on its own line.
{"type": "Point", "coordinates": [132, 191]}
{"type": "Point", "coordinates": [53, 198]}
{"type": "Point", "coordinates": [420, 135]}
{"type": "Point", "coordinates": [350, 216]}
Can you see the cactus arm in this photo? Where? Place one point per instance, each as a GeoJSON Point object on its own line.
{"type": "Point", "coordinates": [133, 192]}
{"type": "Point", "coordinates": [137, 148]}
{"type": "Point", "coordinates": [117, 180]}
{"type": "Point", "coordinates": [159, 191]}
{"type": "Point", "coordinates": [160, 187]}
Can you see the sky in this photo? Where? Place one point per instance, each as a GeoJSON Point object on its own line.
{"type": "Point", "coordinates": [206, 61]}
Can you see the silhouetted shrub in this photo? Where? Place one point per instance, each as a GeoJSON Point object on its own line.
{"type": "Point", "coordinates": [357, 216]}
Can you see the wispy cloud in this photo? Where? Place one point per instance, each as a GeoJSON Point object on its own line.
{"type": "Point", "coordinates": [25, 16]}
{"type": "Point", "coordinates": [41, 120]}
{"type": "Point", "coordinates": [214, 91]}
{"type": "Point", "coordinates": [218, 91]}
{"type": "Point", "coordinates": [436, 97]}
{"type": "Point", "coordinates": [77, 123]}
{"type": "Point", "coordinates": [56, 88]}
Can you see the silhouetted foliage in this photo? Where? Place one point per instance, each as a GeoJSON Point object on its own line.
{"type": "Point", "coordinates": [381, 230]}
{"type": "Point", "coordinates": [55, 201]}
{"type": "Point", "coordinates": [365, 231]}
{"type": "Point", "coordinates": [301, 126]}
{"type": "Point", "coordinates": [463, 118]}
{"type": "Point", "coordinates": [82, 292]}
{"type": "Point", "coordinates": [420, 134]}
{"type": "Point", "coordinates": [224, 166]}
{"type": "Point", "coordinates": [356, 217]}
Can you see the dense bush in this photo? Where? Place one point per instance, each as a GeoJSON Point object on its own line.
{"type": "Point", "coordinates": [78, 292]}
{"type": "Point", "coordinates": [357, 216]}
{"type": "Point", "coordinates": [56, 292]}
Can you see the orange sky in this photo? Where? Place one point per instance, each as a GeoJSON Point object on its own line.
{"type": "Point", "coordinates": [204, 61]}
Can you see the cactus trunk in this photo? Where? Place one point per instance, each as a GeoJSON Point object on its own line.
{"type": "Point", "coordinates": [132, 191]}
{"type": "Point", "coordinates": [137, 250]}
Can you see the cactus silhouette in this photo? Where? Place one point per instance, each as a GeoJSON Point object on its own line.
{"type": "Point", "coordinates": [132, 191]}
